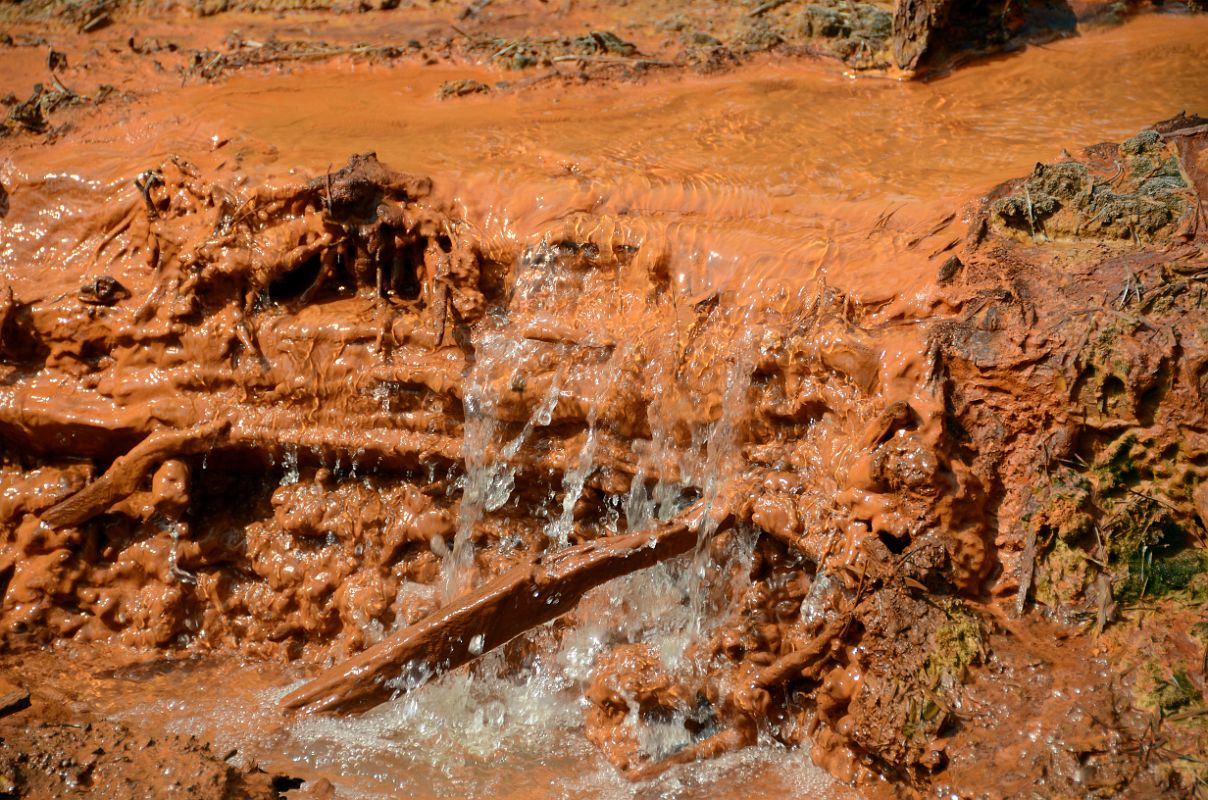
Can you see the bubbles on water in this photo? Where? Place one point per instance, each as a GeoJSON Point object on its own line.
{"type": "Point", "coordinates": [384, 395]}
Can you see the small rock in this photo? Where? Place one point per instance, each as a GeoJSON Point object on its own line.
{"type": "Point", "coordinates": [104, 291]}
{"type": "Point", "coordinates": [321, 789]}
{"type": "Point", "coordinates": [56, 60]}
{"type": "Point", "coordinates": [702, 39]}
{"type": "Point", "coordinates": [948, 269]}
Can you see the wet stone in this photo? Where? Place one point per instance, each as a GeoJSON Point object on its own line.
{"type": "Point", "coordinates": [13, 698]}
{"type": "Point", "coordinates": [103, 291]}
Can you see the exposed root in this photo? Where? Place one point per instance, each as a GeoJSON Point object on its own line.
{"type": "Point", "coordinates": [806, 662]}
{"type": "Point", "coordinates": [718, 744]}
{"type": "Point", "coordinates": [126, 474]}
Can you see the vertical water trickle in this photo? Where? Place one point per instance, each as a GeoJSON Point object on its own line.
{"type": "Point", "coordinates": [722, 464]}
{"type": "Point", "coordinates": [490, 477]}
{"type": "Point", "coordinates": [172, 528]}
{"type": "Point", "coordinates": [722, 437]}
{"type": "Point", "coordinates": [575, 477]}
{"type": "Point", "coordinates": [501, 354]}
{"type": "Point", "coordinates": [502, 474]}
{"type": "Point", "coordinates": [495, 347]}
{"type": "Point", "coordinates": [289, 463]}
{"type": "Point", "coordinates": [660, 502]}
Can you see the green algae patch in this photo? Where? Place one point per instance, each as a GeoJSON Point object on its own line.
{"type": "Point", "coordinates": [1062, 508]}
{"type": "Point", "coordinates": [957, 645]}
{"type": "Point", "coordinates": [1065, 576]}
{"type": "Point", "coordinates": [1183, 575]}
{"type": "Point", "coordinates": [1168, 691]}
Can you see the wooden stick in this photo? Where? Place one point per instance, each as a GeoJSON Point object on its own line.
{"type": "Point", "coordinates": [126, 474]}
{"type": "Point", "coordinates": [517, 601]}
{"type": "Point", "coordinates": [806, 661]}
{"type": "Point", "coordinates": [720, 743]}
{"type": "Point", "coordinates": [760, 10]}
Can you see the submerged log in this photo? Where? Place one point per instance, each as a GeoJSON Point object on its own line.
{"type": "Point", "coordinates": [517, 601]}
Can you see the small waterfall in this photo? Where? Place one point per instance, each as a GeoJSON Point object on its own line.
{"type": "Point", "coordinates": [498, 348]}
{"type": "Point", "coordinates": [694, 419]}
{"type": "Point", "coordinates": [576, 477]}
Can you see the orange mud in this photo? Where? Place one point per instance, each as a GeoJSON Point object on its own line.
{"type": "Point", "coordinates": [737, 430]}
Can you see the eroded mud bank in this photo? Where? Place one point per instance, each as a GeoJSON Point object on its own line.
{"type": "Point", "coordinates": [917, 497]}
{"type": "Point", "coordinates": [294, 419]}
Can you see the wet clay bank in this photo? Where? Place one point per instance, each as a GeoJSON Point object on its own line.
{"type": "Point", "coordinates": [919, 484]}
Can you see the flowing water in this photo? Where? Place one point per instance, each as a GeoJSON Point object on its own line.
{"type": "Point", "coordinates": [772, 178]}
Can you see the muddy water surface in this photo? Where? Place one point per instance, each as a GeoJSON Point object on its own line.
{"type": "Point", "coordinates": [771, 171]}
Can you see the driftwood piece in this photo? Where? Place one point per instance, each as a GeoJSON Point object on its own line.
{"type": "Point", "coordinates": [126, 474]}
{"type": "Point", "coordinates": [519, 600]}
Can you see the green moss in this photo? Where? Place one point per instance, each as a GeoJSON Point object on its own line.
{"type": "Point", "coordinates": [1104, 369]}
{"type": "Point", "coordinates": [1065, 199]}
{"type": "Point", "coordinates": [1171, 695]}
{"type": "Point", "coordinates": [1063, 576]}
{"type": "Point", "coordinates": [1064, 506]}
{"type": "Point", "coordinates": [957, 645]}
{"type": "Point", "coordinates": [1138, 524]}
{"type": "Point", "coordinates": [923, 719]}
{"type": "Point", "coordinates": [1155, 576]}
{"type": "Point", "coordinates": [1116, 469]}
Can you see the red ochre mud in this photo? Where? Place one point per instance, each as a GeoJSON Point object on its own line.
{"type": "Point", "coordinates": [335, 422]}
